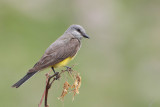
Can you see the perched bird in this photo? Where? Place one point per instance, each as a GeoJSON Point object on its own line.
{"type": "Point", "coordinates": [59, 53]}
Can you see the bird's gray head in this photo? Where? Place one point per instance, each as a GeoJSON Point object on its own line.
{"type": "Point", "coordinates": [77, 31]}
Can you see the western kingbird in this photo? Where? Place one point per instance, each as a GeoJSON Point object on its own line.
{"type": "Point", "coordinates": [59, 53]}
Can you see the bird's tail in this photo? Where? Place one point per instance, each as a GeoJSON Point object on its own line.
{"type": "Point", "coordinates": [24, 79]}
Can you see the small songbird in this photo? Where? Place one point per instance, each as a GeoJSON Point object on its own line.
{"type": "Point", "coordinates": [59, 53]}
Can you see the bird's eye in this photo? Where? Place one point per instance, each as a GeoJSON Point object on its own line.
{"type": "Point", "coordinates": [78, 30]}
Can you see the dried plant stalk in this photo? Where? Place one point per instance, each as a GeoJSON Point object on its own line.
{"type": "Point", "coordinates": [67, 88]}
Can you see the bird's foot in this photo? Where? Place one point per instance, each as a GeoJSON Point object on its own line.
{"type": "Point", "coordinates": [57, 76]}
{"type": "Point", "coordinates": [68, 68]}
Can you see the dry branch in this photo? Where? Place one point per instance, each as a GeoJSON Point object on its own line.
{"type": "Point", "coordinates": [50, 80]}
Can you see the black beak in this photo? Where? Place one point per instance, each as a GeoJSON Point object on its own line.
{"type": "Point", "coordinates": [86, 36]}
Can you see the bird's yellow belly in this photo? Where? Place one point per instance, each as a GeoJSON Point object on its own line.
{"type": "Point", "coordinates": [63, 63]}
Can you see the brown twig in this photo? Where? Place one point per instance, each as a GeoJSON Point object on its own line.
{"type": "Point", "coordinates": [47, 76]}
{"type": "Point", "coordinates": [48, 86]}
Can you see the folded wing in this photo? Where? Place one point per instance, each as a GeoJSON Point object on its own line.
{"type": "Point", "coordinates": [56, 53]}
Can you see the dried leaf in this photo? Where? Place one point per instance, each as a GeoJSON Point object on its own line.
{"type": "Point", "coordinates": [76, 86]}
{"type": "Point", "coordinates": [78, 78]}
{"type": "Point", "coordinates": [65, 91]}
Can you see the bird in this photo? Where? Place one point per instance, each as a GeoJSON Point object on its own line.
{"type": "Point", "coordinates": [59, 53]}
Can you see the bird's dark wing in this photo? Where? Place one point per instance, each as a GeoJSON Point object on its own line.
{"type": "Point", "coordinates": [56, 53]}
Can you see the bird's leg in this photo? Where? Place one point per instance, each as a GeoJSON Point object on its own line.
{"type": "Point", "coordinates": [55, 73]}
{"type": "Point", "coordinates": [53, 70]}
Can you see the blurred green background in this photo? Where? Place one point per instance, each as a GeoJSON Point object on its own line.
{"type": "Point", "coordinates": [119, 65]}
